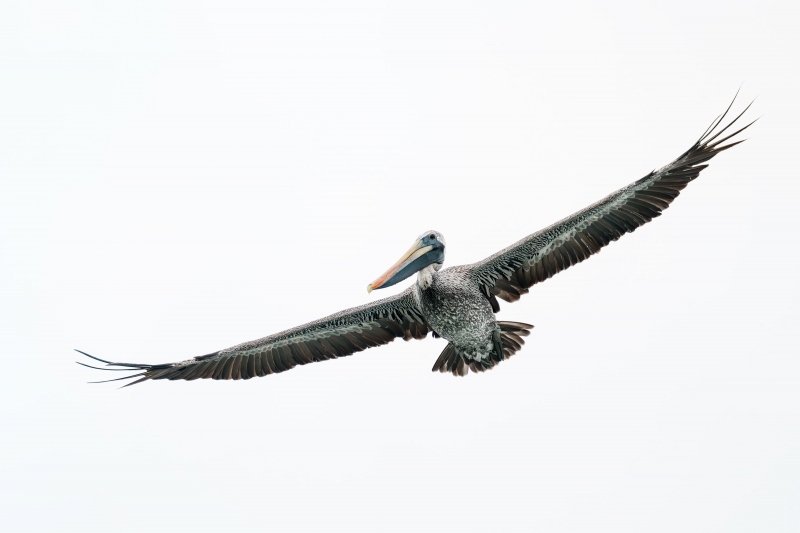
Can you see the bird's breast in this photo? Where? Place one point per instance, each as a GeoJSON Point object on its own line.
{"type": "Point", "coordinates": [456, 309]}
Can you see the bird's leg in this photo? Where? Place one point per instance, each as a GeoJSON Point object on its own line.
{"type": "Point", "coordinates": [498, 344]}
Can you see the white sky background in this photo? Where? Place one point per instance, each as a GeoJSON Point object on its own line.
{"type": "Point", "coordinates": [176, 178]}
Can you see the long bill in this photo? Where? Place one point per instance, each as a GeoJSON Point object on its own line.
{"type": "Point", "coordinates": [412, 261]}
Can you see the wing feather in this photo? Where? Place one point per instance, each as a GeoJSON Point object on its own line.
{"type": "Point", "coordinates": [337, 335]}
{"type": "Point", "coordinates": [509, 273]}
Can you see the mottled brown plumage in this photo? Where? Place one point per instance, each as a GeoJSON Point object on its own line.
{"type": "Point", "coordinates": [458, 303]}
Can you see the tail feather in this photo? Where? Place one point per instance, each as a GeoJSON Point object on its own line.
{"type": "Point", "coordinates": [450, 361]}
{"type": "Point", "coordinates": [511, 334]}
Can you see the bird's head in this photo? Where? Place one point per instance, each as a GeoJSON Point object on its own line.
{"type": "Point", "coordinates": [427, 250]}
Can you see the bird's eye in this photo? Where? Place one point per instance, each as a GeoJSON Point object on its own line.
{"type": "Point", "coordinates": [432, 237]}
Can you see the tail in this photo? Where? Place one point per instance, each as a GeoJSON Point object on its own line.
{"type": "Point", "coordinates": [511, 334]}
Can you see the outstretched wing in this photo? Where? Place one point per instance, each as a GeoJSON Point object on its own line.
{"type": "Point", "coordinates": [510, 272]}
{"type": "Point", "coordinates": [334, 336]}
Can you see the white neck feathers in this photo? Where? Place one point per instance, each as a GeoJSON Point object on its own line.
{"type": "Point", "coordinates": [425, 276]}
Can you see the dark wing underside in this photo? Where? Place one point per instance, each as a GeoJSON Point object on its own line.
{"type": "Point", "coordinates": [338, 335]}
{"type": "Point", "coordinates": [509, 273]}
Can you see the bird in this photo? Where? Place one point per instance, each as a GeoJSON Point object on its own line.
{"type": "Point", "coordinates": [458, 303]}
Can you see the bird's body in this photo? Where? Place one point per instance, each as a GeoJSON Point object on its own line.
{"type": "Point", "coordinates": [457, 303]}
{"type": "Point", "coordinates": [456, 310]}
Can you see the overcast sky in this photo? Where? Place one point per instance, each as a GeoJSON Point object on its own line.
{"type": "Point", "coordinates": [180, 177]}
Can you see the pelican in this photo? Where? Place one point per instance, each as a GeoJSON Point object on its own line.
{"type": "Point", "coordinates": [457, 303]}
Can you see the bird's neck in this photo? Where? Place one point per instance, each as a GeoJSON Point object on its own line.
{"type": "Point", "coordinates": [425, 276]}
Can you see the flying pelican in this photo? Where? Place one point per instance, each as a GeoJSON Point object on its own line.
{"type": "Point", "coordinates": [457, 303]}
